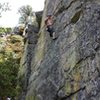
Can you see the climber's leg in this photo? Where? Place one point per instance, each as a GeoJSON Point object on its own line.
{"type": "Point", "coordinates": [51, 31]}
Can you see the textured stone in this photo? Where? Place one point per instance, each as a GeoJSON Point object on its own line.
{"type": "Point", "coordinates": [67, 68]}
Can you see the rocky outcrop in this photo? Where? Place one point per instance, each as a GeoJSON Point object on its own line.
{"type": "Point", "coordinates": [30, 41]}
{"type": "Point", "coordinates": [67, 68]}
{"type": "Point", "coordinates": [39, 17]}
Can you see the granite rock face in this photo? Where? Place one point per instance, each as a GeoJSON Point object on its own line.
{"type": "Point", "coordinates": [67, 68]}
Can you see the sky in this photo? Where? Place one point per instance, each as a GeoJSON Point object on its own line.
{"type": "Point", "coordinates": [10, 18]}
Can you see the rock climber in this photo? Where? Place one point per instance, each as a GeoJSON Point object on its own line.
{"type": "Point", "coordinates": [49, 27]}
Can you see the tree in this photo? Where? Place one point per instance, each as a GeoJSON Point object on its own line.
{"type": "Point", "coordinates": [5, 30]}
{"type": "Point", "coordinates": [25, 12]}
{"type": "Point", "coordinates": [8, 75]}
{"type": "Point", "coordinates": [10, 53]}
{"type": "Point", "coordinates": [4, 7]}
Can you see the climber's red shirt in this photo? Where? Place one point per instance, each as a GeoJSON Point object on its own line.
{"type": "Point", "coordinates": [48, 21]}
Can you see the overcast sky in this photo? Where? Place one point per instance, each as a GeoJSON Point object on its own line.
{"type": "Point", "coordinates": [10, 18]}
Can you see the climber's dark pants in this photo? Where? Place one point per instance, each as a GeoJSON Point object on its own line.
{"type": "Point", "coordinates": [50, 30]}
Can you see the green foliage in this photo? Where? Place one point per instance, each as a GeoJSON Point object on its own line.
{"type": "Point", "coordinates": [9, 65]}
{"type": "Point", "coordinates": [5, 30]}
{"type": "Point", "coordinates": [8, 75]}
{"type": "Point", "coordinates": [16, 38]}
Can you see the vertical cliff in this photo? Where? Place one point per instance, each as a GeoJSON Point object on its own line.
{"type": "Point", "coordinates": [67, 68]}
